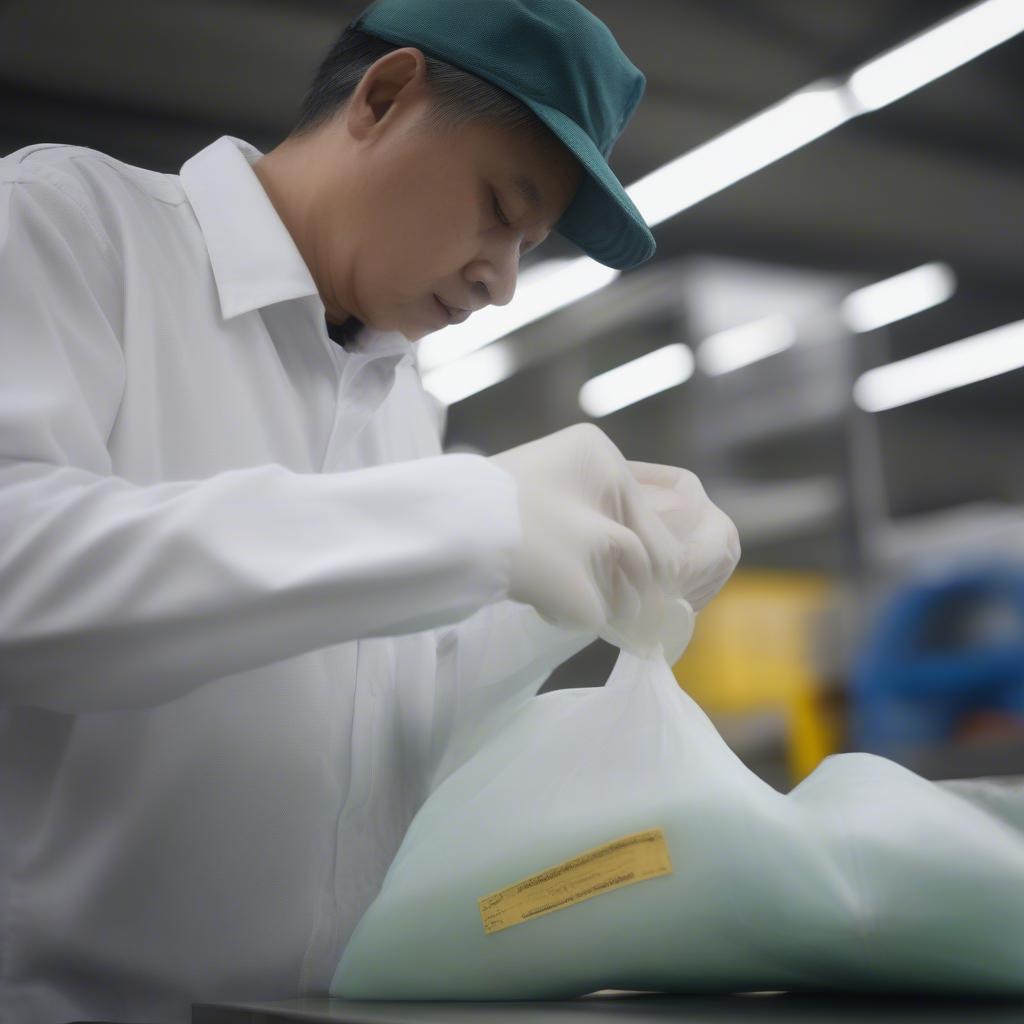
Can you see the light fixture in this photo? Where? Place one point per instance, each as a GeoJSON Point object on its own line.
{"type": "Point", "coordinates": [984, 355]}
{"type": "Point", "coordinates": [474, 373]}
{"type": "Point", "coordinates": [541, 290]}
{"type": "Point", "coordinates": [636, 380]}
{"type": "Point", "coordinates": [935, 52]}
{"type": "Point", "coordinates": [738, 152]}
{"type": "Point", "coordinates": [898, 297]}
{"type": "Point", "coordinates": [746, 344]}
{"type": "Point", "coordinates": [819, 108]}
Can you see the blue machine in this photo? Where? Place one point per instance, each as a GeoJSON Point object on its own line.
{"type": "Point", "coordinates": [942, 649]}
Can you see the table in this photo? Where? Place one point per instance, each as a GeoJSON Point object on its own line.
{"type": "Point", "coordinates": [627, 1008]}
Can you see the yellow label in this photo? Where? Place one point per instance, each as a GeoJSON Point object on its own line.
{"type": "Point", "coordinates": [624, 861]}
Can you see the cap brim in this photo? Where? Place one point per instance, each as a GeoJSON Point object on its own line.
{"type": "Point", "coordinates": [601, 219]}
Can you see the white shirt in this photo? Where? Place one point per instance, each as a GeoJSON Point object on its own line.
{"type": "Point", "coordinates": [249, 613]}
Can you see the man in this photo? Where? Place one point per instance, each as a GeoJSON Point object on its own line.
{"type": "Point", "coordinates": [250, 614]}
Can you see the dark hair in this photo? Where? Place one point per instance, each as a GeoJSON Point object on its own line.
{"type": "Point", "coordinates": [458, 95]}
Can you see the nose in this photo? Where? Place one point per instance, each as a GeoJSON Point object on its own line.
{"type": "Point", "coordinates": [494, 276]}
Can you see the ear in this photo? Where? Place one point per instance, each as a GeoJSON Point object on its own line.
{"type": "Point", "coordinates": [391, 82]}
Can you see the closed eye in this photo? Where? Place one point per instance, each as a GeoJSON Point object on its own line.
{"type": "Point", "coordinates": [498, 212]}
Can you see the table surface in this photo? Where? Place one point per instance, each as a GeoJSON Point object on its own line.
{"type": "Point", "coordinates": [629, 1008]}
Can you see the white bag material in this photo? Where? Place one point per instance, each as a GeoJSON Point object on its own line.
{"type": "Point", "coordinates": [864, 877]}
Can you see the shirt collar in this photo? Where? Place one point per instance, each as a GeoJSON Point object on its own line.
{"type": "Point", "coordinates": [255, 261]}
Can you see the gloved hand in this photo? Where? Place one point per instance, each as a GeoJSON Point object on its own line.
{"type": "Point", "coordinates": [591, 547]}
{"type": "Point", "coordinates": [600, 549]}
{"type": "Point", "coordinates": [708, 544]}
{"type": "Point", "coordinates": [708, 550]}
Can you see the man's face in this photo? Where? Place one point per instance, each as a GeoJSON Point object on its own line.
{"type": "Point", "coordinates": [443, 216]}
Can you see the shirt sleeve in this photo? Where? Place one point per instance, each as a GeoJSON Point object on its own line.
{"type": "Point", "coordinates": [114, 595]}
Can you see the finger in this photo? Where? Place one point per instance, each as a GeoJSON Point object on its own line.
{"type": "Point", "coordinates": [626, 601]}
{"type": "Point", "coordinates": [708, 561]}
{"type": "Point", "coordinates": [662, 546]}
{"type": "Point", "coordinates": [653, 473]}
{"type": "Point", "coordinates": [673, 478]}
{"type": "Point", "coordinates": [677, 495]}
{"type": "Point", "coordinates": [630, 558]}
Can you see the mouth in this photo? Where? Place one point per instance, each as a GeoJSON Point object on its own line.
{"type": "Point", "coordinates": [452, 314]}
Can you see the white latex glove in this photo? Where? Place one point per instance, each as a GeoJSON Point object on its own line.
{"type": "Point", "coordinates": [593, 549]}
{"type": "Point", "coordinates": [707, 551]}
{"type": "Point", "coordinates": [708, 544]}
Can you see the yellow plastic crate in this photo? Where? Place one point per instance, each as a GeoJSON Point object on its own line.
{"type": "Point", "coordinates": [751, 653]}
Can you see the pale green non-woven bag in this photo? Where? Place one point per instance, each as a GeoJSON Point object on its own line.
{"type": "Point", "coordinates": [608, 838]}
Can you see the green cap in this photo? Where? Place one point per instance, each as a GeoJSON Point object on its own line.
{"type": "Point", "coordinates": [564, 64]}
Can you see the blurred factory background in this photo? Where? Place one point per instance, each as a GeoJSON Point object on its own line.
{"type": "Point", "coordinates": [831, 333]}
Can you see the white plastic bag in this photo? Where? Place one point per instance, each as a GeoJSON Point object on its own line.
{"type": "Point", "coordinates": [537, 870]}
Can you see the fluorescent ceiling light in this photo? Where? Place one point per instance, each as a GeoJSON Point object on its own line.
{"type": "Point", "coordinates": [474, 373]}
{"type": "Point", "coordinates": [541, 290]}
{"type": "Point", "coordinates": [942, 369]}
{"type": "Point", "coordinates": [936, 52]}
{"type": "Point", "coordinates": [819, 108]}
{"type": "Point", "coordinates": [898, 297]}
{"type": "Point", "coordinates": [631, 382]}
{"type": "Point", "coordinates": [740, 151]}
{"type": "Point", "coordinates": [746, 344]}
